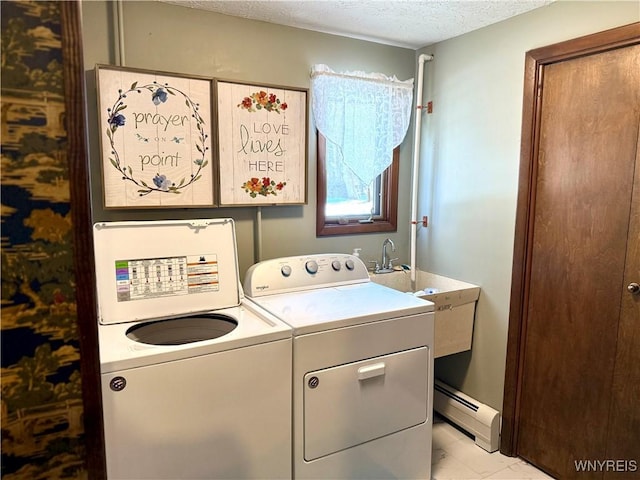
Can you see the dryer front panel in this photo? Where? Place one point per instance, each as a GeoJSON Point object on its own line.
{"type": "Point", "coordinates": [351, 404]}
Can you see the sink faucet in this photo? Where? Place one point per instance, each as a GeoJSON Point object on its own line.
{"type": "Point", "coordinates": [386, 262]}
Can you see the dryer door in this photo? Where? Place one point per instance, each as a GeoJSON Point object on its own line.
{"type": "Point", "coordinates": [348, 405]}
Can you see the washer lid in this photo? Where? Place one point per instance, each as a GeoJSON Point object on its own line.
{"type": "Point", "coordinates": [158, 269]}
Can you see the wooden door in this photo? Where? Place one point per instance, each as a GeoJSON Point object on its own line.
{"type": "Point", "coordinates": [623, 440]}
{"type": "Point", "coordinates": [574, 332]}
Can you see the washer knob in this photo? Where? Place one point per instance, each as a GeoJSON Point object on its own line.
{"type": "Point", "coordinates": [118, 384]}
{"type": "Point", "coordinates": [311, 266]}
{"type": "Point", "coordinates": [285, 270]}
{"type": "Point", "coordinates": [349, 264]}
{"type": "Point", "coordinates": [336, 265]}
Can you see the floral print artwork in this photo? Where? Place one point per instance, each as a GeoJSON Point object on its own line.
{"type": "Point", "coordinates": [261, 143]}
{"type": "Point", "coordinates": [271, 103]}
{"type": "Point", "coordinates": [264, 187]}
{"type": "Point", "coordinates": [263, 100]}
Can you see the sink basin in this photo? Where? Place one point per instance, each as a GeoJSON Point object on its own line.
{"type": "Point", "coordinates": [455, 305]}
{"type": "Point", "coordinates": [181, 330]}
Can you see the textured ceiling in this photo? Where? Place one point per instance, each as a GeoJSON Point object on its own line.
{"type": "Point", "coordinates": [404, 23]}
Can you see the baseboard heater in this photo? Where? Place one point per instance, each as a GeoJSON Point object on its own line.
{"type": "Point", "coordinates": [480, 420]}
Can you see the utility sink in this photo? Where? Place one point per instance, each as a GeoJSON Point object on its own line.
{"type": "Point", "coordinates": [181, 330]}
{"type": "Point", "coordinates": [455, 305]}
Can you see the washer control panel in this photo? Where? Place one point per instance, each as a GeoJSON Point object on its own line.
{"type": "Point", "coordinates": [287, 274]}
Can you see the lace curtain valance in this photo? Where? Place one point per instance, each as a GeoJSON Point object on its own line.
{"type": "Point", "coordinates": [363, 115]}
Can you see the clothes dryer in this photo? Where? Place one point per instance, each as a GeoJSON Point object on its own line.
{"type": "Point", "coordinates": [362, 367]}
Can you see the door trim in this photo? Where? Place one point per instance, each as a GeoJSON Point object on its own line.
{"type": "Point", "coordinates": [535, 62]}
{"type": "Point", "coordinates": [83, 258]}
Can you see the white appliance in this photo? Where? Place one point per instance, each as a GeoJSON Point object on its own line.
{"type": "Point", "coordinates": [362, 368]}
{"type": "Point", "coordinates": [196, 382]}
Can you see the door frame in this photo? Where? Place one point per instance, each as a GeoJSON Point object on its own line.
{"type": "Point", "coordinates": [83, 257]}
{"type": "Point", "coordinates": [535, 62]}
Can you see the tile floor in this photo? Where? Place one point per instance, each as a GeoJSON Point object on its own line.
{"type": "Point", "coordinates": [457, 457]}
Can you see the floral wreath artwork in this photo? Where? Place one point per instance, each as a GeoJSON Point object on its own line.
{"type": "Point", "coordinates": [262, 142]}
{"type": "Point", "coordinates": [159, 94]}
{"type": "Point", "coordinates": [160, 175]}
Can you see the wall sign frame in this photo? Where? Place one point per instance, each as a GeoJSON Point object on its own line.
{"type": "Point", "coordinates": [155, 137]}
{"type": "Point", "coordinates": [262, 144]}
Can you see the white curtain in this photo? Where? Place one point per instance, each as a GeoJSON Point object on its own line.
{"type": "Point", "coordinates": [364, 115]}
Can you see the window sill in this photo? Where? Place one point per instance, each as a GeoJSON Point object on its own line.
{"type": "Point", "coordinates": [327, 229]}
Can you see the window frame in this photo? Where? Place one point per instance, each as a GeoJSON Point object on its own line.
{"type": "Point", "coordinates": [388, 219]}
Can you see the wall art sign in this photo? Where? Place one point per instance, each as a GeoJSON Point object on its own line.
{"type": "Point", "coordinates": [262, 144]}
{"type": "Point", "coordinates": [155, 139]}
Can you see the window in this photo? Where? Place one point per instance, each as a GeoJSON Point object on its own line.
{"type": "Point", "coordinates": [345, 206]}
{"type": "Point", "coordinates": [361, 119]}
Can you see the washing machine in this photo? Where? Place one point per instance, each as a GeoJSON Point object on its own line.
{"type": "Point", "coordinates": [196, 381]}
{"type": "Point", "coordinates": [362, 367]}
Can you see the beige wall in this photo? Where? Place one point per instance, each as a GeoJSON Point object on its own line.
{"type": "Point", "coordinates": [469, 172]}
{"type": "Point", "coordinates": [172, 38]}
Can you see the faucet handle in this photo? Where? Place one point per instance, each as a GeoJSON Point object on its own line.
{"type": "Point", "coordinates": [390, 266]}
{"type": "Point", "coordinates": [376, 267]}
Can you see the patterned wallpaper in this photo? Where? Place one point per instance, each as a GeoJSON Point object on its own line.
{"type": "Point", "coordinates": [42, 425]}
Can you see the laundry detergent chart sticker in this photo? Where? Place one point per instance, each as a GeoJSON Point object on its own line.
{"type": "Point", "coordinates": [160, 277]}
{"type": "Point", "coordinates": [155, 133]}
